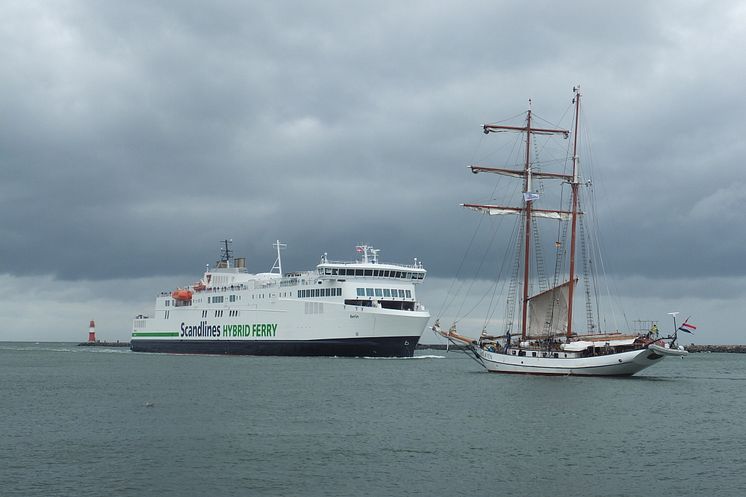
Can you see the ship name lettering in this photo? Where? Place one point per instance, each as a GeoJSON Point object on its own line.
{"type": "Point", "coordinates": [203, 329]}
{"type": "Point", "coordinates": [264, 330]}
{"type": "Point", "coordinates": [250, 330]}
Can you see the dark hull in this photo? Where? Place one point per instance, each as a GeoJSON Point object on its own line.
{"type": "Point", "coordinates": [348, 347]}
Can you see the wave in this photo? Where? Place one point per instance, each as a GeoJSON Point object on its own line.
{"type": "Point", "coordinates": [51, 347]}
{"type": "Point", "coordinates": [407, 358]}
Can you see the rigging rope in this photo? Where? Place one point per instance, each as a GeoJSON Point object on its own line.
{"type": "Point", "coordinates": [445, 304]}
{"type": "Point", "coordinates": [450, 297]}
{"type": "Point", "coordinates": [506, 257]}
{"type": "Point", "coordinates": [586, 272]}
{"type": "Point", "coordinates": [510, 303]}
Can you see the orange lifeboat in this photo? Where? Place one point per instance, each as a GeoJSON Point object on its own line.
{"type": "Point", "coordinates": [199, 286]}
{"type": "Point", "coordinates": [181, 294]}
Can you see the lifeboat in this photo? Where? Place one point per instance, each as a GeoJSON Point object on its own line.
{"type": "Point", "coordinates": [181, 294]}
{"type": "Point", "coordinates": [199, 286]}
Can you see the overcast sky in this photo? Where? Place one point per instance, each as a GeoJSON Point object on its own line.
{"type": "Point", "coordinates": [135, 135]}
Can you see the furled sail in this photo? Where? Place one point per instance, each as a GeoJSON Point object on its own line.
{"type": "Point", "coordinates": [520, 173]}
{"type": "Point", "coordinates": [497, 210]}
{"type": "Point", "coordinates": [547, 312]}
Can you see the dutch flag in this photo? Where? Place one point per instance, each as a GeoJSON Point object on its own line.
{"type": "Point", "coordinates": [686, 327]}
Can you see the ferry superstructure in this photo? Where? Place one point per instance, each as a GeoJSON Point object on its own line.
{"type": "Point", "coordinates": [362, 308]}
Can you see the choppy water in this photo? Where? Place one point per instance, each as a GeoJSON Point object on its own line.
{"type": "Point", "coordinates": [78, 422]}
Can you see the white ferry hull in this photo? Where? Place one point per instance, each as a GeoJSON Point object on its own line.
{"type": "Point", "coordinates": [282, 328]}
{"type": "Point", "coordinates": [619, 364]}
{"type": "Point", "coordinates": [403, 346]}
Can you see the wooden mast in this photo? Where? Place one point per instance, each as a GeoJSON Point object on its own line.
{"type": "Point", "coordinates": [575, 184]}
{"type": "Point", "coordinates": [527, 213]}
{"type": "Point", "coordinates": [526, 210]}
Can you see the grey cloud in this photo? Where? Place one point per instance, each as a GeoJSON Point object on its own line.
{"type": "Point", "coordinates": [139, 134]}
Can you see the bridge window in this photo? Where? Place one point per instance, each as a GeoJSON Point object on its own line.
{"type": "Point", "coordinates": [379, 293]}
{"type": "Point", "coordinates": [368, 292]}
{"type": "Point", "coordinates": [409, 294]}
{"type": "Point", "coordinates": [361, 292]}
{"type": "Point", "coordinates": [386, 292]}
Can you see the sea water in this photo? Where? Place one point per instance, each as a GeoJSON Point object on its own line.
{"type": "Point", "coordinates": [90, 421]}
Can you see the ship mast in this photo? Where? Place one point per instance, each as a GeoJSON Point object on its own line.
{"type": "Point", "coordinates": [226, 253]}
{"type": "Point", "coordinates": [573, 235]}
{"type": "Point", "coordinates": [278, 263]}
{"type": "Point", "coordinates": [527, 213]}
{"type": "Point", "coordinates": [528, 196]}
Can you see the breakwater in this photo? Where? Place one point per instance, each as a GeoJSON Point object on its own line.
{"type": "Point", "coordinates": [732, 349]}
{"type": "Point", "coordinates": [104, 344]}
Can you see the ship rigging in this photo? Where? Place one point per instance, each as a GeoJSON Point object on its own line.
{"type": "Point", "coordinates": [547, 341]}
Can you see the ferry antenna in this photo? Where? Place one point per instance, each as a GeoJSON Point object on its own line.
{"type": "Point", "coordinates": [226, 252]}
{"type": "Point", "coordinates": [278, 262]}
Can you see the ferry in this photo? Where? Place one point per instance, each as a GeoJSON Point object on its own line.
{"type": "Point", "coordinates": [362, 308]}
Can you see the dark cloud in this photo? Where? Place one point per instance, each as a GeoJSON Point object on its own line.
{"type": "Point", "coordinates": [135, 135]}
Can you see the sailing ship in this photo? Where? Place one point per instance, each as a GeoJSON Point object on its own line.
{"type": "Point", "coordinates": [546, 341]}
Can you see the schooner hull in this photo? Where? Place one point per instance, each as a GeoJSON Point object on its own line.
{"type": "Point", "coordinates": [619, 364]}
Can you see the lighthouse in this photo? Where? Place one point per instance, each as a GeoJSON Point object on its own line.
{"type": "Point", "coordinates": [92, 333]}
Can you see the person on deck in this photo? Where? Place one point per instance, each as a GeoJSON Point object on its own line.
{"type": "Point", "coordinates": [654, 331]}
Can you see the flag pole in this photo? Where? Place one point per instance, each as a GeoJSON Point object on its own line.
{"type": "Point", "coordinates": [675, 328]}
